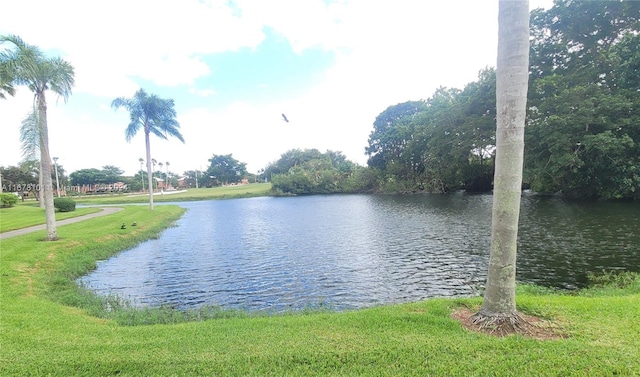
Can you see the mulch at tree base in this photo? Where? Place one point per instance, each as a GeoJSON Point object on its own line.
{"type": "Point", "coordinates": [535, 328]}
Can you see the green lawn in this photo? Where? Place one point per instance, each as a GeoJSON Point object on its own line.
{"type": "Point", "coordinates": [26, 215]}
{"type": "Point", "coordinates": [49, 326]}
{"type": "Point", "coordinates": [239, 191]}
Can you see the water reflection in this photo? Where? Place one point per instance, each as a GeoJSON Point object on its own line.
{"type": "Point", "coordinates": [357, 251]}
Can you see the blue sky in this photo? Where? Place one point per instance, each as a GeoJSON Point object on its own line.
{"type": "Point", "coordinates": [232, 67]}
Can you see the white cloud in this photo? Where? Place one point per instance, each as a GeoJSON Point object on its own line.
{"type": "Point", "coordinates": [306, 24]}
{"type": "Point", "coordinates": [202, 92]}
{"type": "Point", "coordinates": [115, 41]}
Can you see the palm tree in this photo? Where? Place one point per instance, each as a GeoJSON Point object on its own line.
{"type": "Point", "coordinates": [160, 164]}
{"type": "Point", "coordinates": [141, 160]}
{"type": "Point", "coordinates": [39, 73]}
{"type": "Point", "coordinates": [166, 178]}
{"type": "Point", "coordinates": [498, 310]}
{"type": "Point", "coordinates": [154, 115]}
{"type": "Point", "coordinates": [154, 163]}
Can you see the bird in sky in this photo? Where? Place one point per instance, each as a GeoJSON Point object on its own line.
{"type": "Point", "coordinates": [284, 117]}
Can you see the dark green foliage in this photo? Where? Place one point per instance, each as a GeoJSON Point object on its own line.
{"type": "Point", "coordinates": [64, 204]}
{"type": "Point", "coordinates": [615, 279]}
{"type": "Point", "coordinates": [108, 174]}
{"type": "Point", "coordinates": [15, 178]}
{"type": "Point", "coordinates": [8, 199]}
{"type": "Point", "coordinates": [446, 143]}
{"type": "Point", "coordinates": [390, 132]}
{"type": "Point", "coordinates": [583, 131]}
{"type": "Point", "coordinates": [583, 124]}
{"type": "Point", "coordinates": [312, 172]}
{"type": "Point", "coordinates": [224, 169]}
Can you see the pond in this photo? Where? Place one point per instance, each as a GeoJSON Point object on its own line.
{"type": "Point", "coordinates": [356, 251]}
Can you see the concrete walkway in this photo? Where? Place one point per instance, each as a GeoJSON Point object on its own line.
{"type": "Point", "coordinates": [18, 232]}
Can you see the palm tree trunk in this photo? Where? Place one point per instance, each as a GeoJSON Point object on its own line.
{"type": "Point", "coordinates": [149, 175]}
{"type": "Point", "coordinates": [45, 160]}
{"type": "Point", "coordinates": [41, 184]}
{"type": "Point", "coordinates": [499, 305]}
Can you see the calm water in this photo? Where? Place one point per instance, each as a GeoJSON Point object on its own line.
{"type": "Point", "coordinates": [357, 251]}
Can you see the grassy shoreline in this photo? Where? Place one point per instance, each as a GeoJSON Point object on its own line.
{"type": "Point", "coordinates": [47, 327]}
{"type": "Point", "coordinates": [27, 215]}
{"type": "Point", "coordinates": [226, 192]}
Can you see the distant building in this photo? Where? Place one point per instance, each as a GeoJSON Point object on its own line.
{"type": "Point", "coordinates": [160, 183]}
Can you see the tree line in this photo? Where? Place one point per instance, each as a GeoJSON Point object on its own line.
{"type": "Point", "coordinates": [310, 171]}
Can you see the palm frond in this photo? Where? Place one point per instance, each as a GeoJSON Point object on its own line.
{"type": "Point", "coordinates": [30, 136]}
{"type": "Point", "coordinates": [154, 114]}
{"type": "Point", "coordinates": [171, 128]}
{"type": "Point", "coordinates": [6, 76]}
{"type": "Point", "coordinates": [131, 131]}
{"type": "Point", "coordinates": [26, 62]}
{"type": "Point", "coordinates": [61, 77]}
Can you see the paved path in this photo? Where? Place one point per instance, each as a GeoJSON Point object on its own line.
{"type": "Point", "coordinates": [18, 232]}
{"type": "Point", "coordinates": [159, 193]}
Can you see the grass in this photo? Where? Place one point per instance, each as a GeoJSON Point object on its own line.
{"type": "Point", "coordinates": [49, 326]}
{"type": "Point", "coordinates": [29, 214]}
{"type": "Point", "coordinates": [239, 191]}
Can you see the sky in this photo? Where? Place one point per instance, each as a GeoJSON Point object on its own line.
{"type": "Point", "coordinates": [233, 67]}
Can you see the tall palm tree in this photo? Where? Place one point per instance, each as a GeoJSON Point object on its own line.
{"type": "Point", "coordinates": [155, 116]}
{"type": "Point", "coordinates": [499, 305]}
{"type": "Point", "coordinates": [141, 160]}
{"type": "Point", "coordinates": [160, 164]}
{"type": "Point", "coordinates": [166, 175]}
{"type": "Point", "coordinates": [39, 73]}
{"type": "Point", "coordinates": [154, 163]}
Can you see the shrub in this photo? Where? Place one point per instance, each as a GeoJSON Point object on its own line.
{"type": "Point", "coordinates": [617, 279]}
{"type": "Point", "coordinates": [8, 199]}
{"type": "Point", "coordinates": [64, 204]}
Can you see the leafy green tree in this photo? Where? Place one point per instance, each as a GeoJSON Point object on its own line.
{"type": "Point", "coordinates": [132, 184]}
{"type": "Point", "coordinates": [14, 177]}
{"type": "Point", "coordinates": [456, 137]}
{"type": "Point", "coordinates": [192, 178]}
{"type": "Point", "coordinates": [112, 173]}
{"type": "Point", "coordinates": [296, 182]}
{"type": "Point", "coordinates": [90, 176]}
{"type": "Point", "coordinates": [433, 151]}
{"type": "Point", "coordinates": [310, 171]}
{"type": "Point", "coordinates": [583, 139]}
{"type": "Point", "coordinates": [155, 116]}
{"type": "Point", "coordinates": [289, 159]}
{"type": "Point", "coordinates": [391, 131]}
{"type": "Point", "coordinates": [447, 144]}
{"type": "Point", "coordinates": [32, 168]}
{"type": "Point", "coordinates": [582, 135]}
{"type": "Point", "coordinates": [40, 74]}
{"type": "Point", "coordinates": [498, 309]}
{"type": "Point", "coordinates": [225, 170]}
